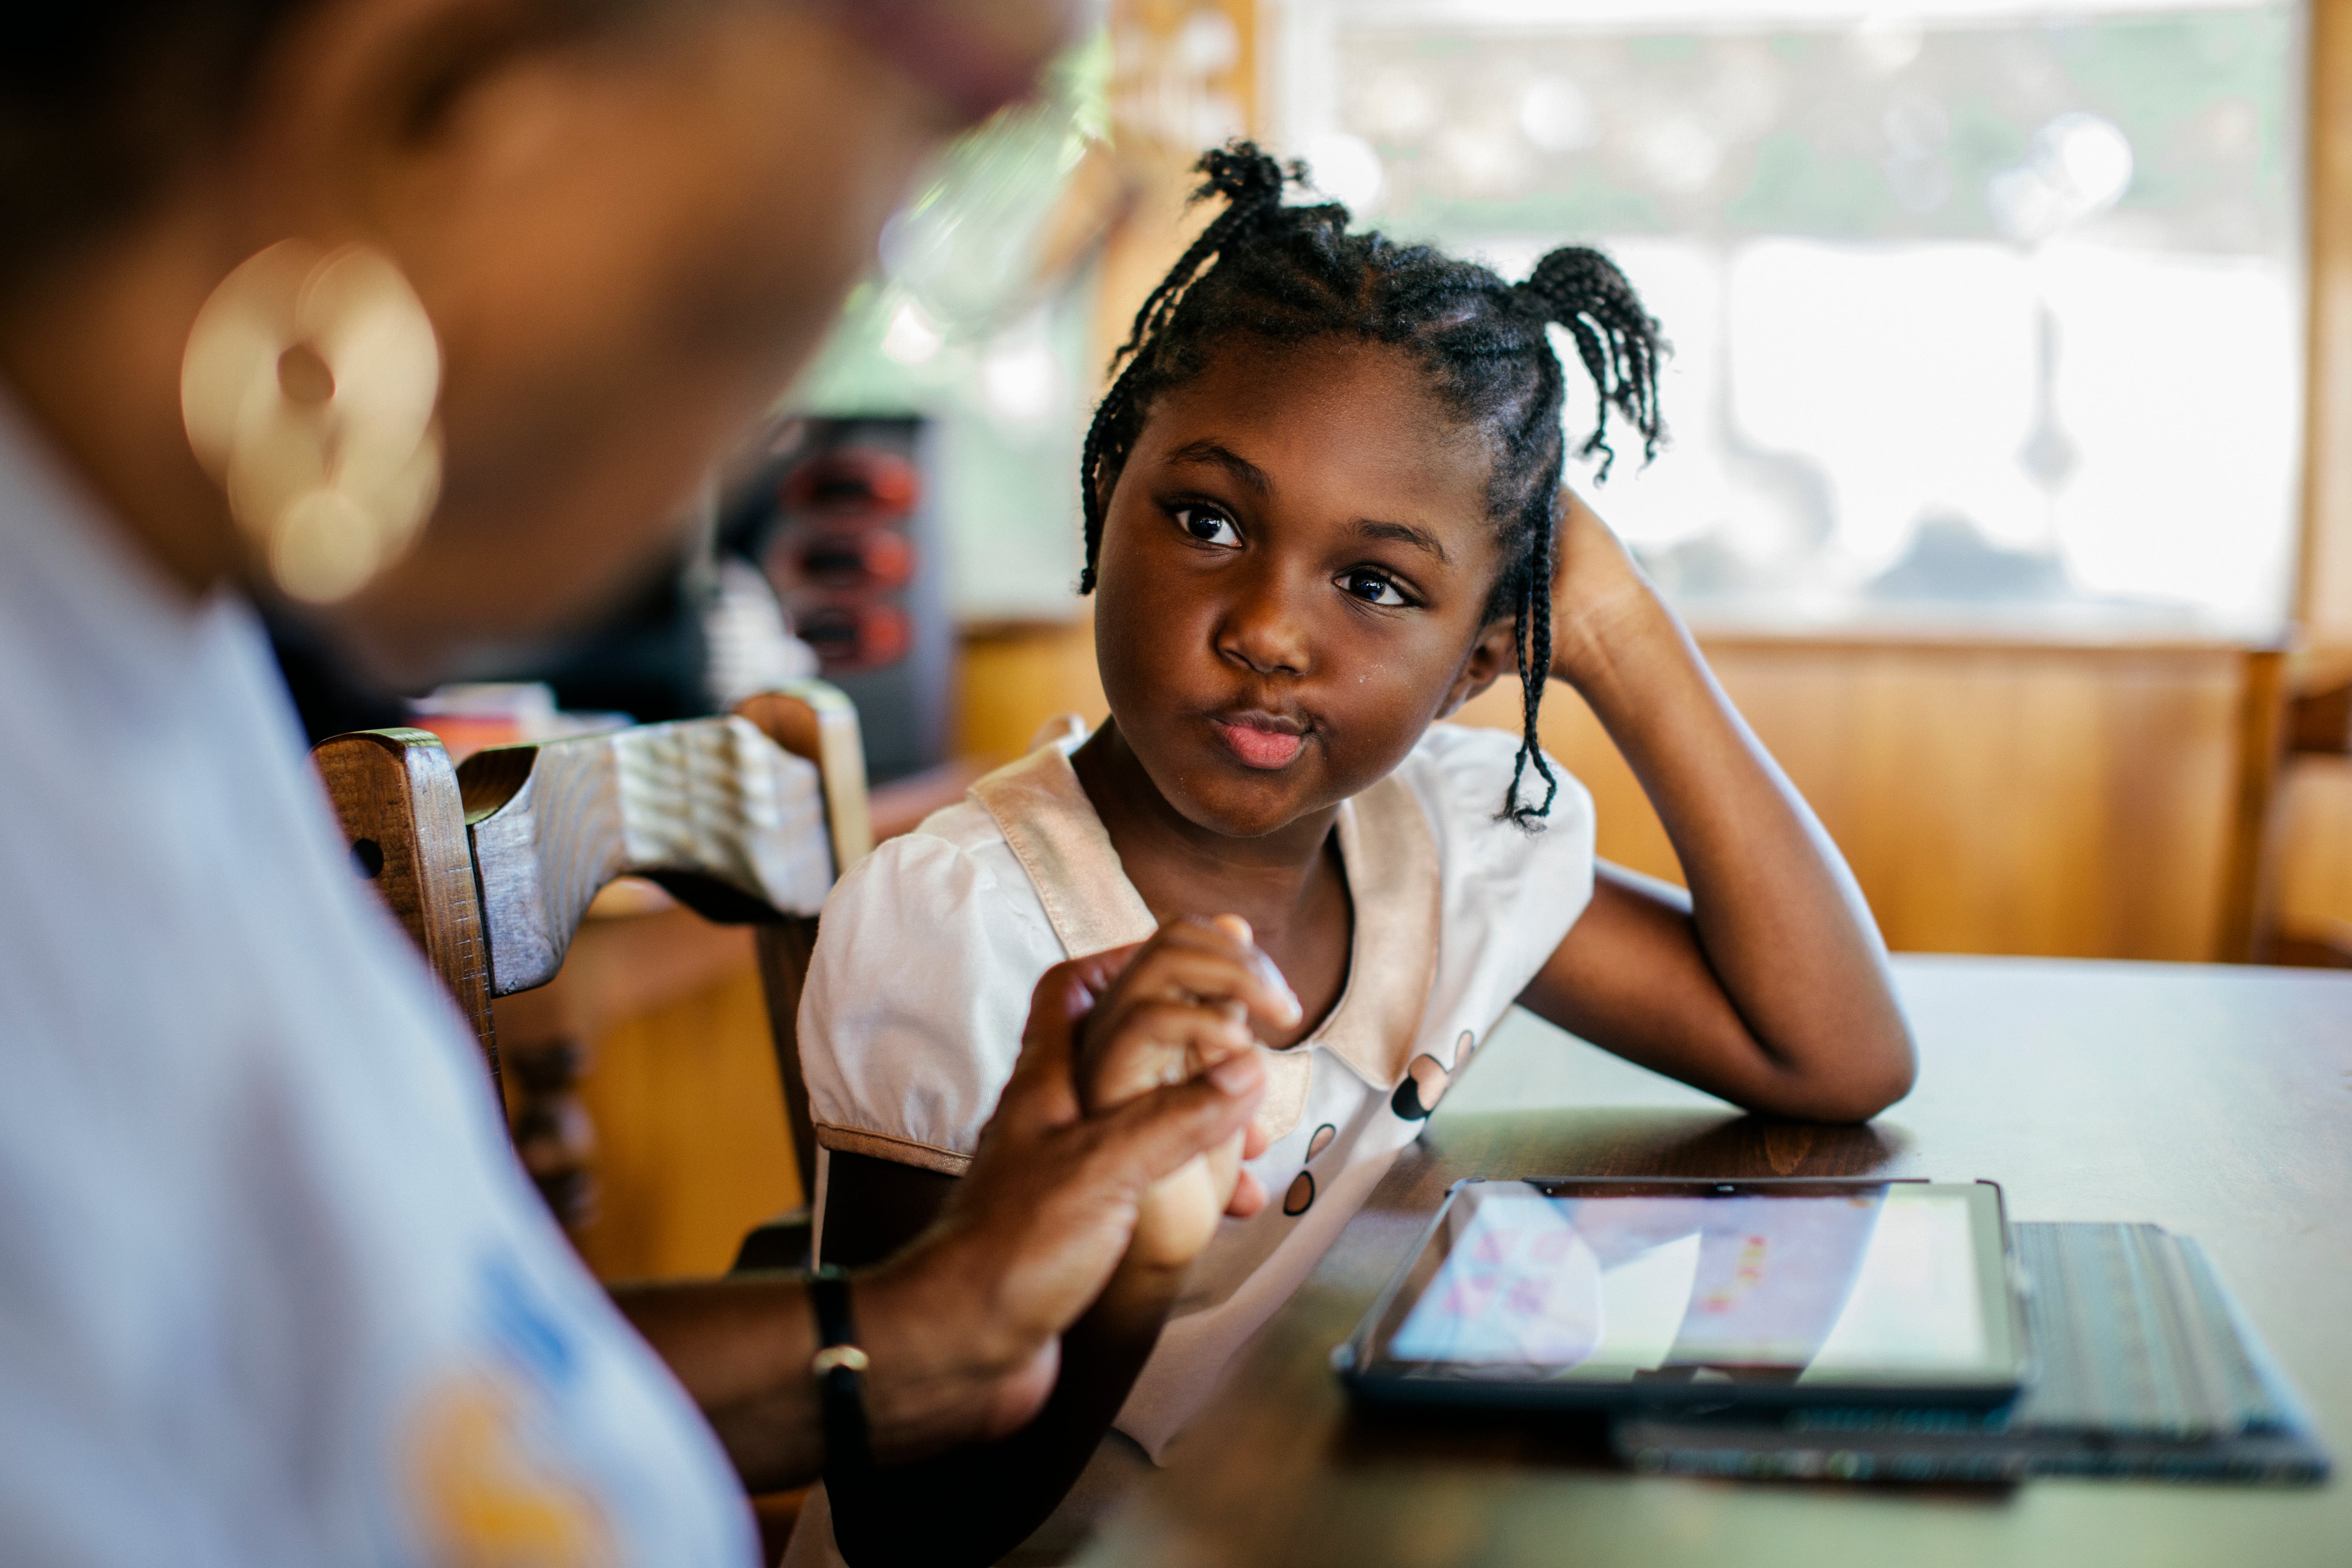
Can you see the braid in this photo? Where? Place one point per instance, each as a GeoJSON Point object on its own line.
{"type": "Point", "coordinates": [1112, 414]}
{"type": "Point", "coordinates": [1617, 340]}
{"type": "Point", "coordinates": [1531, 635]}
{"type": "Point", "coordinates": [1583, 291]}
{"type": "Point", "coordinates": [1251, 186]}
{"type": "Point", "coordinates": [1289, 274]}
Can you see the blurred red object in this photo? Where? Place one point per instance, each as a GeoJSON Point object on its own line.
{"type": "Point", "coordinates": [463, 734]}
{"type": "Point", "coordinates": [468, 717]}
{"type": "Point", "coordinates": [850, 635]}
{"type": "Point", "coordinates": [871, 559]}
{"type": "Point", "coordinates": [852, 486]}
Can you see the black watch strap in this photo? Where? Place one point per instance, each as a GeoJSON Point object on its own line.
{"type": "Point", "coordinates": [839, 1367]}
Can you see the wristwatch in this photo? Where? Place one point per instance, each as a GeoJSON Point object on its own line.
{"type": "Point", "coordinates": [839, 1368]}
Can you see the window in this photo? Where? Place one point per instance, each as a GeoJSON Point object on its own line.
{"type": "Point", "coordinates": [1976, 306]}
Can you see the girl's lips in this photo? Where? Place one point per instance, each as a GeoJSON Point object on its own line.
{"type": "Point", "coordinates": [1259, 748]}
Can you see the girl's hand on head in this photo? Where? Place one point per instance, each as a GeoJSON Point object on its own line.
{"type": "Point", "coordinates": [1599, 597]}
{"type": "Point", "coordinates": [1182, 1006]}
{"type": "Point", "coordinates": [1765, 982]}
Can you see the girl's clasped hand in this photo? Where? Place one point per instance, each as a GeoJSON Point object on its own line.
{"type": "Point", "coordinates": [1191, 1000]}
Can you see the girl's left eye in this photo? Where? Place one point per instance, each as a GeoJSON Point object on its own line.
{"type": "Point", "coordinates": [1371, 588]}
{"type": "Point", "coordinates": [1208, 527]}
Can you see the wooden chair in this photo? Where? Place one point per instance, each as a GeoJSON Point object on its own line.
{"type": "Point", "coordinates": [490, 865]}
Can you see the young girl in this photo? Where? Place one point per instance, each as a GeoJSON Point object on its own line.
{"type": "Point", "coordinates": [1323, 510]}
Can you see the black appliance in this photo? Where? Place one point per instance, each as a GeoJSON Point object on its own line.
{"type": "Point", "coordinates": [845, 525]}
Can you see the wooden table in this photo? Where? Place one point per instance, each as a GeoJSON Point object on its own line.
{"type": "Point", "coordinates": [2216, 1102]}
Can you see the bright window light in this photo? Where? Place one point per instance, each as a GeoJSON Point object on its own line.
{"type": "Point", "coordinates": [1990, 306]}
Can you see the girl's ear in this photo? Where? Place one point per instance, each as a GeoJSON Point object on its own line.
{"type": "Point", "coordinates": [1493, 654]}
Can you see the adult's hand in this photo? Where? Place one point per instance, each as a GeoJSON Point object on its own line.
{"type": "Point", "coordinates": [964, 1328]}
{"type": "Point", "coordinates": [1082, 1227]}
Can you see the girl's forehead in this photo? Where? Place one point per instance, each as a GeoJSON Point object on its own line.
{"type": "Point", "coordinates": [1331, 417]}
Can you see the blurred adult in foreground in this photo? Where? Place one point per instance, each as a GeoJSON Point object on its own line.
{"type": "Point", "coordinates": [422, 314]}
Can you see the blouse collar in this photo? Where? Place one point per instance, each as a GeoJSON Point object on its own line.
{"type": "Point", "coordinates": [1386, 851]}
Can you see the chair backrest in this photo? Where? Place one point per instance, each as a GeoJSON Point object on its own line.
{"type": "Point", "coordinates": [816, 721]}
{"type": "Point", "coordinates": [710, 809]}
{"type": "Point", "coordinates": [490, 867]}
{"type": "Point", "coordinates": [405, 817]}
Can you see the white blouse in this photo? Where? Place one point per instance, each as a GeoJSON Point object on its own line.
{"type": "Point", "coordinates": [274, 1291]}
{"type": "Point", "coordinates": [929, 948]}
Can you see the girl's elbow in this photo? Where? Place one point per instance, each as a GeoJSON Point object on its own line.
{"type": "Point", "coordinates": [1869, 1087]}
{"type": "Point", "coordinates": [1867, 1100]}
{"type": "Point", "coordinates": [1855, 1087]}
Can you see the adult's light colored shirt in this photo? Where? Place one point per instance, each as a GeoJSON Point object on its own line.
{"type": "Point", "coordinates": [273, 1288]}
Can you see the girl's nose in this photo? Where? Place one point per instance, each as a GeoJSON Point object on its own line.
{"type": "Point", "coordinates": [1265, 630]}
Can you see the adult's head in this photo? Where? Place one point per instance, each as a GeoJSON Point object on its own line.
{"type": "Point", "coordinates": [628, 221]}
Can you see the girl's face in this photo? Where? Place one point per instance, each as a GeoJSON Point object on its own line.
{"type": "Point", "coordinates": [1294, 576]}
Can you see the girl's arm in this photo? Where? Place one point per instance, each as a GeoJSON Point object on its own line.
{"type": "Point", "coordinates": [1766, 984]}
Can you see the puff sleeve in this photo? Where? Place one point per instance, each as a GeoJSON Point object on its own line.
{"type": "Point", "coordinates": [917, 995]}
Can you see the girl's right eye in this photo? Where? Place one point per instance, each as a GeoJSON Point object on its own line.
{"type": "Point", "coordinates": [1209, 526]}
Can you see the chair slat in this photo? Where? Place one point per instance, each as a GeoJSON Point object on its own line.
{"type": "Point", "coordinates": [711, 808]}
{"type": "Point", "coordinates": [401, 813]}
{"type": "Point", "coordinates": [812, 720]}
{"type": "Point", "coordinates": [815, 720]}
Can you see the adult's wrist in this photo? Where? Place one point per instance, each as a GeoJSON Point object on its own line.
{"type": "Point", "coordinates": [945, 1355]}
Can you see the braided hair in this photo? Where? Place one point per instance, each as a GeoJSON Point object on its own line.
{"type": "Point", "coordinates": [1291, 273]}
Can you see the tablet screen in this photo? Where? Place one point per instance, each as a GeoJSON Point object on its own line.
{"type": "Point", "coordinates": [1868, 1283]}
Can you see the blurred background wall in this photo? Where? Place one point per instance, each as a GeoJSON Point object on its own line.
{"type": "Point", "coordinates": [1988, 396]}
{"type": "Point", "coordinates": [2010, 489]}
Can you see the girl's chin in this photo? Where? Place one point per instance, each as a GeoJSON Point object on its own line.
{"type": "Point", "coordinates": [1253, 807]}
{"type": "Point", "coordinates": [1214, 791]}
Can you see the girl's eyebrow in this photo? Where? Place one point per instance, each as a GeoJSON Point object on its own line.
{"type": "Point", "coordinates": [1220, 456]}
{"type": "Point", "coordinates": [1225, 457]}
{"type": "Point", "coordinates": [1404, 533]}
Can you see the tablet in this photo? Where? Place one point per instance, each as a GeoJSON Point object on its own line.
{"type": "Point", "coordinates": [1605, 1293]}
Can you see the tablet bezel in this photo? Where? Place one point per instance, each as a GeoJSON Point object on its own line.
{"type": "Point", "coordinates": [2005, 1370]}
